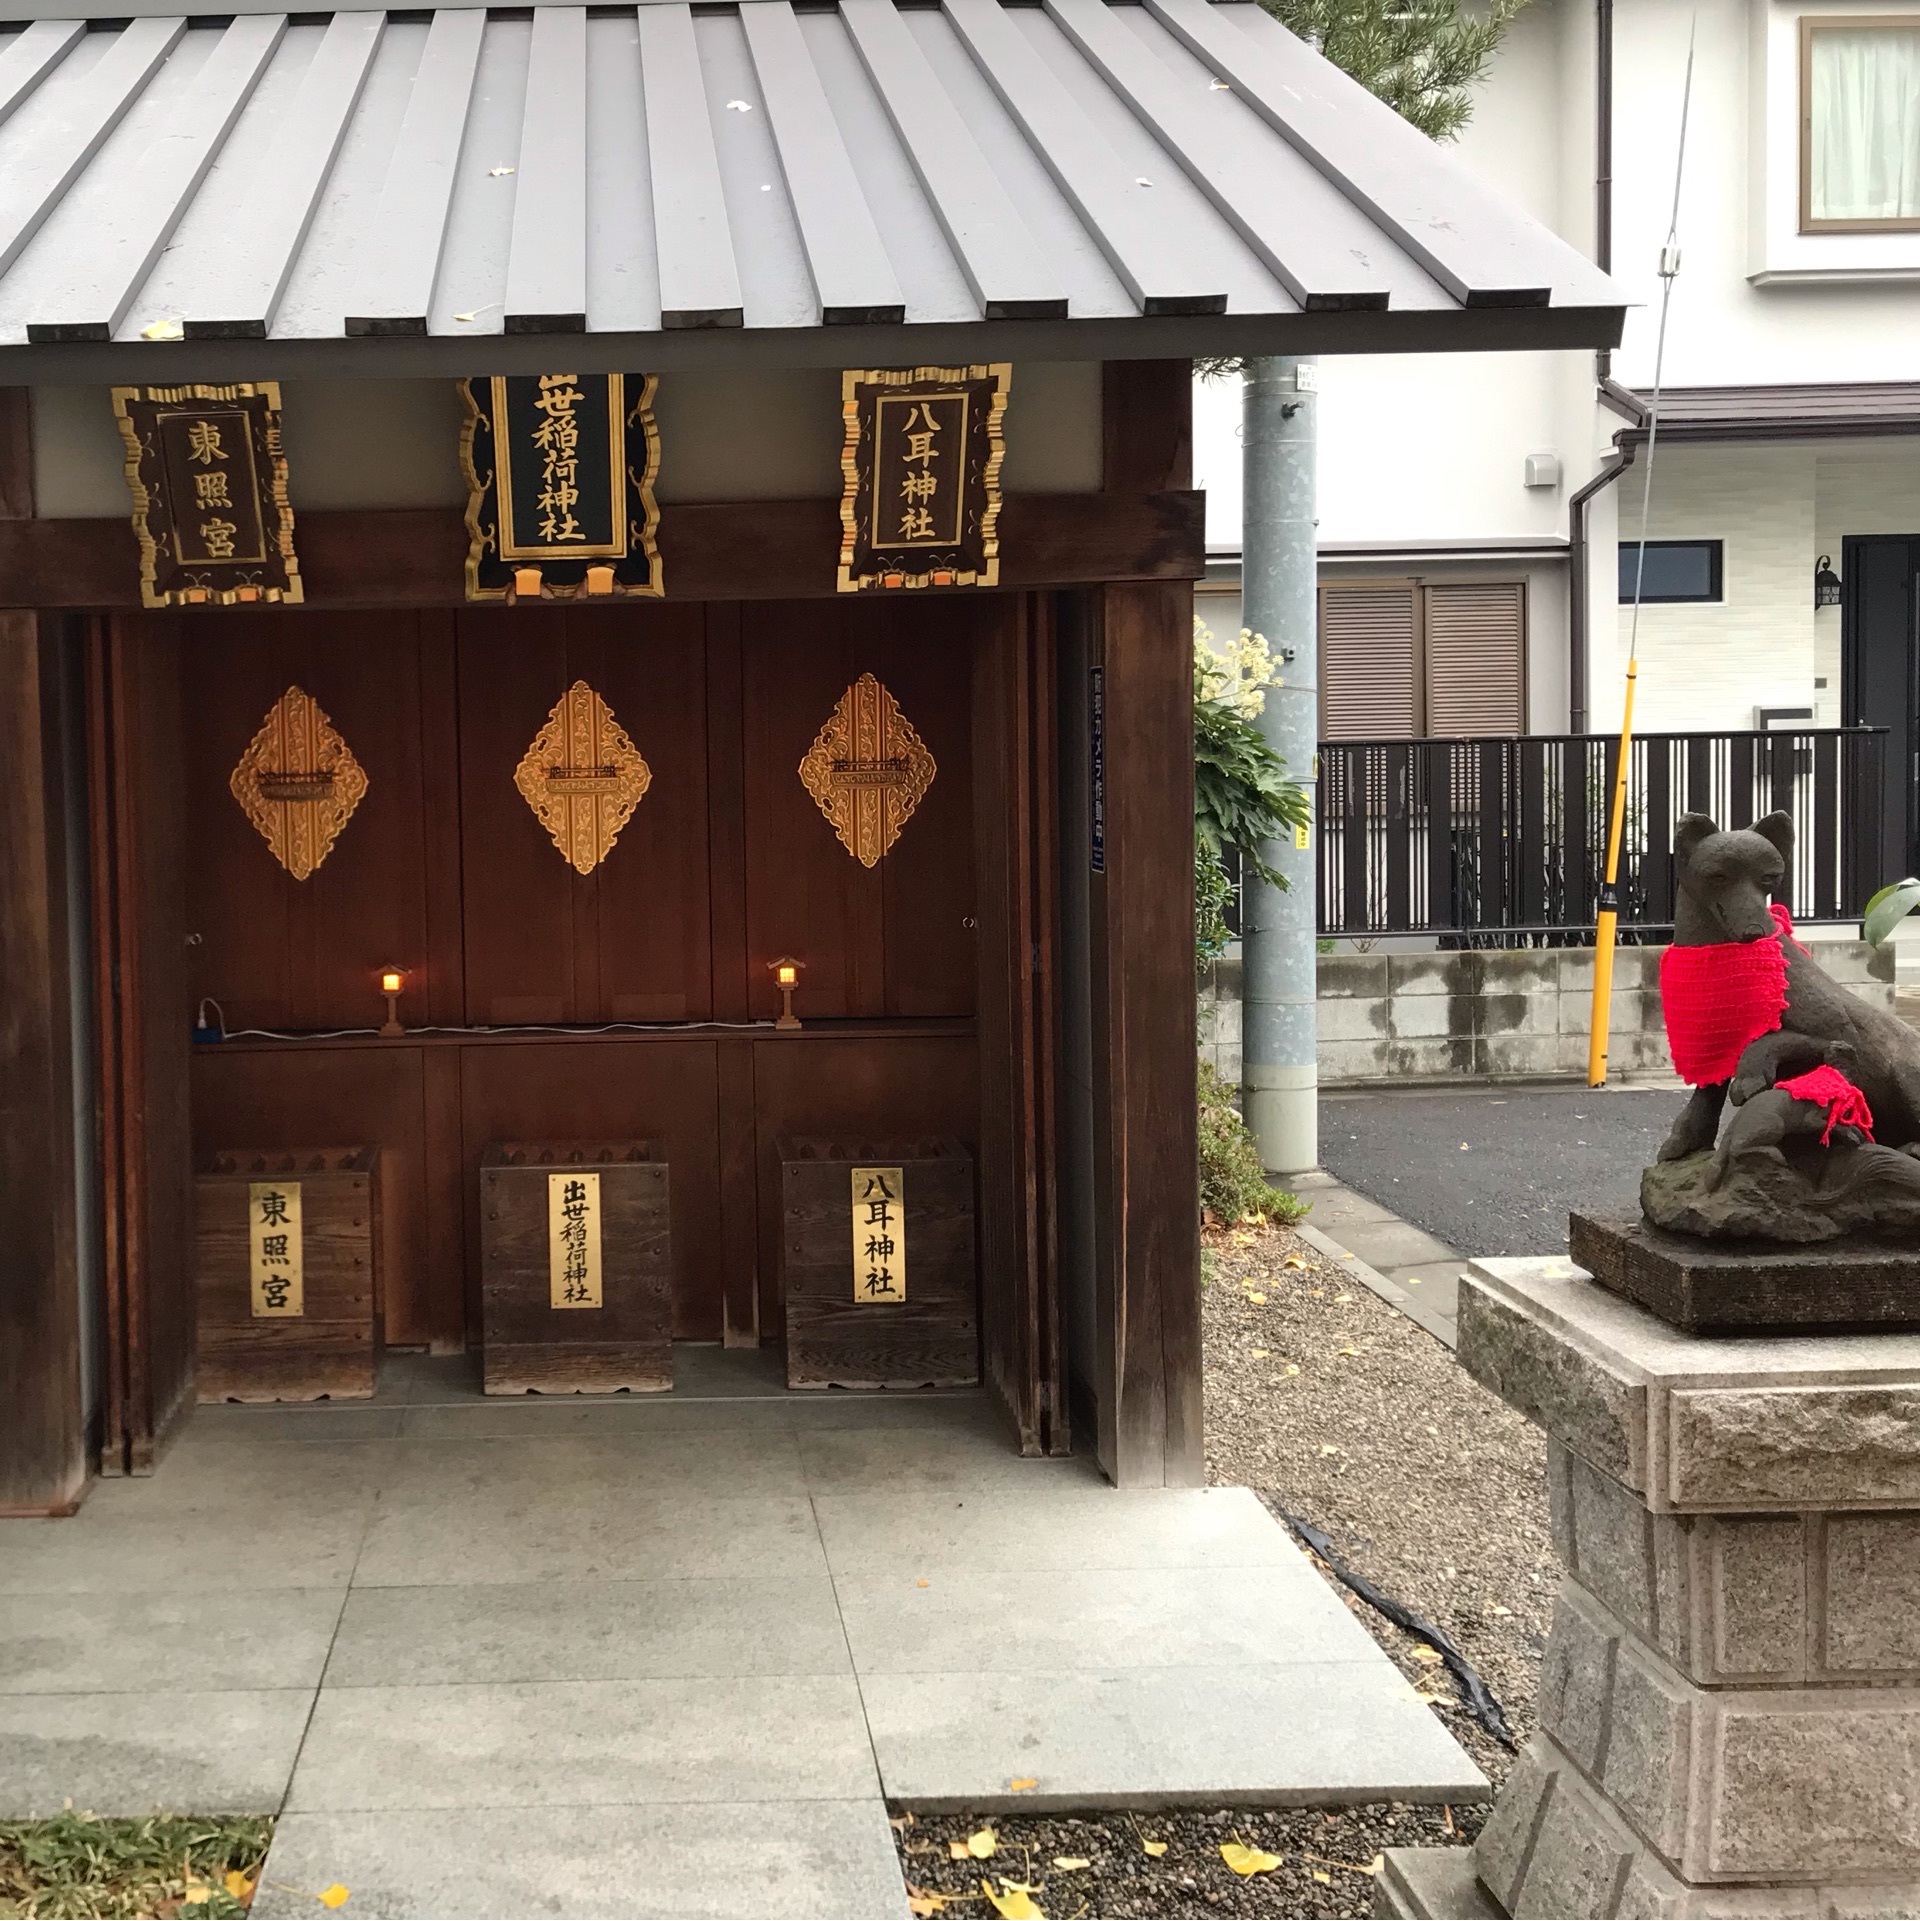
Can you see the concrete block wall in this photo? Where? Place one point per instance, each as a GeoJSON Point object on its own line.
{"type": "Point", "coordinates": [1487, 1014]}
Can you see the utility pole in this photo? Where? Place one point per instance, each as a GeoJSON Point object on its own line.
{"type": "Point", "coordinates": [1280, 1073]}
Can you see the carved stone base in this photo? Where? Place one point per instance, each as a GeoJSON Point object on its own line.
{"type": "Point", "coordinates": [1731, 1287]}
{"type": "Point", "coordinates": [1803, 1194]}
{"type": "Point", "coordinates": [1730, 1700]}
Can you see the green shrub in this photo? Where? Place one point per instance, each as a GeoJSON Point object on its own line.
{"type": "Point", "coordinates": [1233, 1185]}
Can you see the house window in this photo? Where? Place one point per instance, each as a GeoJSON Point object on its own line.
{"type": "Point", "coordinates": [1401, 659]}
{"type": "Point", "coordinates": [1860, 124]}
{"type": "Point", "coordinates": [1676, 570]}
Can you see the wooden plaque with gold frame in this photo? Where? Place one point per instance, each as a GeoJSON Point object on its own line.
{"type": "Point", "coordinates": [560, 471]}
{"type": "Point", "coordinates": [208, 474]}
{"type": "Point", "coordinates": [920, 504]}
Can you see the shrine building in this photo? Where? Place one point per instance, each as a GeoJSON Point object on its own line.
{"type": "Point", "coordinates": [595, 683]}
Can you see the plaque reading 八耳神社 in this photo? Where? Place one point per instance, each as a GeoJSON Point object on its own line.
{"type": "Point", "coordinates": [920, 505]}
{"type": "Point", "coordinates": [879, 1234]}
{"type": "Point", "coordinates": [209, 481]}
{"type": "Point", "coordinates": [560, 471]}
{"type": "Point", "coordinates": [573, 1239]}
{"type": "Point", "coordinates": [275, 1249]}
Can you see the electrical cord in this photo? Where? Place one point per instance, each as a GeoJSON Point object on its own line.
{"type": "Point", "coordinates": [611, 1027]}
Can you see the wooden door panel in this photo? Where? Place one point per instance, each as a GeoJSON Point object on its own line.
{"type": "Point", "coordinates": [344, 1097]}
{"type": "Point", "coordinates": [628, 941]}
{"type": "Point", "coordinates": [610, 1089]}
{"type": "Point", "coordinates": [891, 939]}
{"type": "Point", "coordinates": [274, 951]}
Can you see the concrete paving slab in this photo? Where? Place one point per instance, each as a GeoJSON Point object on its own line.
{"type": "Point", "coordinates": [228, 1752]}
{"type": "Point", "coordinates": [318, 1478]}
{"type": "Point", "coordinates": [553, 1535]}
{"type": "Point", "coordinates": [248, 1426]}
{"type": "Point", "coordinates": [784, 1860]}
{"type": "Point", "coordinates": [113, 1543]}
{"type": "Point", "coordinates": [1304, 1733]}
{"type": "Point", "coordinates": [916, 1461]}
{"type": "Point", "coordinates": [1057, 1524]}
{"type": "Point", "coordinates": [587, 1630]}
{"type": "Point", "coordinates": [752, 1464]}
{"type": "Point", "coordinates": [581, 1744]}
{"type": "Point", "coordinates": [1395, 1244]}
{"type": "Point", "coordinates": [146, 1643]}
{"type": "Point", "coordinates": [1017, 1620]}
{"type": "Point", "coordinates": [530, 1416]}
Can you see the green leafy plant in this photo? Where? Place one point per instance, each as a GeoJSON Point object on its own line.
{"type": "Point", "coordinates": [1888, 908]}
{"type": "Point", "coordinates": [1421, 57]}
{"type": "Point", "coordinates": [81, 1864]}
{"type": "Point", "coordinates": [1242, 794]}
{"type": "Point", "coordinates": [1233, 1184]}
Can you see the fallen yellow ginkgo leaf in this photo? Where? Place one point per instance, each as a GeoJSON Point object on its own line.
{"type": "Point", "coordinates": [196, 1892]}
{"type": "Point", "coordinates": [1426, 1656]}
{"type": "Point", "coordinates": [1259, 1300]}
{"type": "Point", "coordinates": [1295, 1260]}
{"type": "Point", "coordinates": [923, 1902]}
{"type": "Point", "coordinates": [957, 1851]}
{"type": "Point", "coordinates": [1068, 1863]}
{"type": "Point", "coordinates": [1154, 1848]}
{"type": "Point", "coordinates": [238, 1885]}
{"type": "Point", "coordinates": [335, 1896]}
{"type": "Point", "coordinates": [1016, 1904]}
{"type": "Point", "coordinates": [1245, 1860]}
{"type": "Point", "coordinates": [1323, 1877]}
{"type": "Point", "coordinates": [1022, 1782]}
{"type": "Point", "coordinates": [981, 1843]}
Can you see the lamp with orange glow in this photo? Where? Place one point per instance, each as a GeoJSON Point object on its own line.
{"type": "Point", "coordinates": [392, 979]}
{"type": "Point", "coordinates": [786, 975]}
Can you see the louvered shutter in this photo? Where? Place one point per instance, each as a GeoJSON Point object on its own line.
{"type": "Point", "coordinates": [1369, 653]}
{"type": "Point", "coordinates": [1476, 658]}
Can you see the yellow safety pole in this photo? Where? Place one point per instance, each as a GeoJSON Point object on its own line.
{"type": "Point", "coordinates": [1608, 919]}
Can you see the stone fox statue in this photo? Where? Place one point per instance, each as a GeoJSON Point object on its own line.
{"type": "Point", "coordinates": [1721, 901]}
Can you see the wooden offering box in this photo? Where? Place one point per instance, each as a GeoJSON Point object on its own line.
{"type": "Point", "coordinates": [576, 1274]}
{"type": "Point", "coordinates": [287, 1259]}
{"type": "Point", "coordinates": [847, 1259]}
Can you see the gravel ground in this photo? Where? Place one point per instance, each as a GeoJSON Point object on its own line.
{"type": "Point", "coordinates": [1338, 1410]}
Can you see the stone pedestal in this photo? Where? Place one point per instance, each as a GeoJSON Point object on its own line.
{"type": "Point", "coordinates": [1730, 1705]}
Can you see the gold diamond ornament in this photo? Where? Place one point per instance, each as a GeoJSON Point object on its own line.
{"type": "Point", "coordinates": [298, 782]}
{"type": "Point", "coordinates": [867, 770]}
{"type": "Point", "coordinates": [582, 777]}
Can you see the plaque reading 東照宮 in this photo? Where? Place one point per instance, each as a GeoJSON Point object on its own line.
{"type": "Point", "coordinates": [276, 1257]}
{"type": "Point", "coordinates": [879, 1234]}
{"type": "Point", "coordinates": [560, 471]}
{"type": "Point", "coordinates": [209, 481]}
{"type": "Point", "coordinates": [921, 458]}
{"type": "Point", "coordinates": [573, 1240]}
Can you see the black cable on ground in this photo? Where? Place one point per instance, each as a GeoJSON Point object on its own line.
{"type": "Point", "coordinates": [1474, 1691]}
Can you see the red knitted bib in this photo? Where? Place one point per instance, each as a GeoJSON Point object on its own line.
{"type": "Point", "coordinates": [1719, 999]}
{"type": "Point", "coordinates": [1829, 1088]}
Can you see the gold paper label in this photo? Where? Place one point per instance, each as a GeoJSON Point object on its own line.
{"type": "Point", "coordinates": [879, 1234]}
{"type": "Point", "coordinates": [275, 1257]}
{"type": "Point", "coordinates": [867, 770]}
{"type": "Point", "coordinates": [573, 1240]}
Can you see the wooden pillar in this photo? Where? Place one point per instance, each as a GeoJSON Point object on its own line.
{"type": "Point", "coordinates": [1145, 1044]}
{"type": "Point", "coordinates": [43, 1423]}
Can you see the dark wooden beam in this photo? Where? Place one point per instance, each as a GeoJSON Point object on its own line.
{"type": "Point", "coordinates": [1148, 415]}
{"type": "Point", "coordinates": [43, 1438]}
{"type": "Point", "coordinates": [16, 453]}
{"type": "Point", "coordinates": [1145, 1048]}
{"type": "Point", "coordinates": [764, 550]}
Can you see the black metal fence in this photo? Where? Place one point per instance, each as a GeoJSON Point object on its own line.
{"type": "Point", "coordinates": [1502, 842]}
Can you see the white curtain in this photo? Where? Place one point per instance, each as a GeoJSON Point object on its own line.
{"type": "Point", "coordinates": [1864, 84]}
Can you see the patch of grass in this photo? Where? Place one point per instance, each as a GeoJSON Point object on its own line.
{"type": "Point", "coordinates": [1233, 1184]}
{"type": "Point", "coordinates": [81, 1864]}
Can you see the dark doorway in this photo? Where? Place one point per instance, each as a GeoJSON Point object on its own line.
{"type": "Point", "coordinates": [1878, 682]}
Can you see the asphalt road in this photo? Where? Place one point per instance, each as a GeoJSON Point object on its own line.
{"type": "Point", "coordinates": [1493, 1171]}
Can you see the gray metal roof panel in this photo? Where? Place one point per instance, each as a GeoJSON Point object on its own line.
{"type": "Point", "coordinates": [394, 287]}
{"type": "Point", "coordinates": [861, 183]}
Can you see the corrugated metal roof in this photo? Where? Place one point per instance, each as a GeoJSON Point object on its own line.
{"type": "Point", "coordinates": [1862, 410]}
{"type": "Point", "coordinates": [827, 183]}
